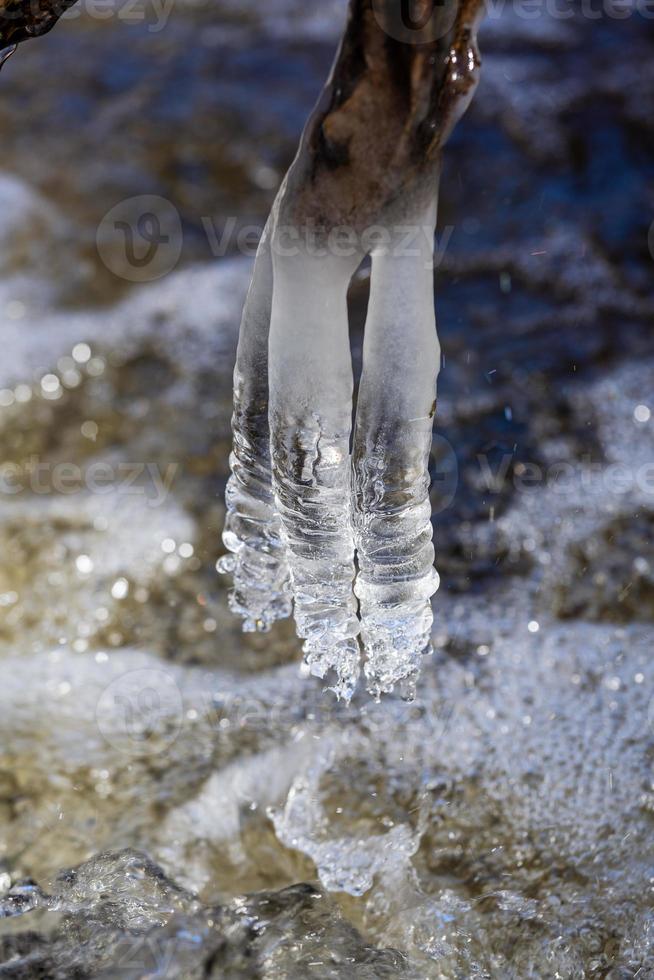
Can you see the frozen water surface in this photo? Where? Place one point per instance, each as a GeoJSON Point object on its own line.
{"type": "Point", "coordinates": [496, 827]}
{"type": "Point", "coordinates": [176, 798]}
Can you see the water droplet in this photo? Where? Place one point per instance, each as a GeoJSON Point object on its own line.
{"type": "Point", "coordinates": [15, 310]}
{"type": "Point", "coordinates": [81, 353]}
{"type": "Point", "coordinates": [84, 564]}
{"type": "Point", "coordinates": [120, 588]}
{"type": "Point", "coordinates": [23, 393]}
{"type": "Point", "coordinates": [96, 366]}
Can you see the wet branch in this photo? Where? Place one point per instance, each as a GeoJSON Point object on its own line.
{"type": "Point", "coordinates": [23, 19]}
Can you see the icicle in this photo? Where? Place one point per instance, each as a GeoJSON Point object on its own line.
{"type": "Point", "coordinates": [311, 416]}
{"type": "Point", "coordinates": [252, 527]}
{"type": "Point", "coordinates": [392, 512]}
{"type": "Point", "coordinates": [369, 158]}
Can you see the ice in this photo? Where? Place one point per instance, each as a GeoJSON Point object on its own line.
{"type": "Point", "coordinates": [208, 827]}
{"type": "Point", "coordinates": [252, 526]}
{"type": "Point", "coordinates": [392, 512]}
{"type": "Point", "coordinates": [320, 505]}
{"type": "Point", "coordinates": [344, 864]}
{"type": "Point", "coordinates": [311, 416]}
{"type": "Point", "coordinates": [498, 826]}
{"type": "Point", "coordinates": [118, 915]}
{"type": "Point", "coordinates": [296, 520]}
{"type": "Point", "coordinates": [351, 505]}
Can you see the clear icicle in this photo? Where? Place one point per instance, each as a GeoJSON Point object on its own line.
{"type": "Point", "coordinates": [252, 527]}
{"type": "Point", "coordinates": [311, 416]}
{"type": "Point", "coordinates": [392, 512]}
{"type": "Point", "coordinates": [369, 159]}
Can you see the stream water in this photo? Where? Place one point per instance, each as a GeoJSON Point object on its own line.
{"type": "Point", "coordinates": [178, 799]}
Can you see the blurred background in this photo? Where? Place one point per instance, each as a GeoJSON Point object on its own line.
{"type": "Point", "coordinates": [500, 825]}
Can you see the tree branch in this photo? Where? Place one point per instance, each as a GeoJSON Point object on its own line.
{"type": "Point", "coordinates": [23, 19]}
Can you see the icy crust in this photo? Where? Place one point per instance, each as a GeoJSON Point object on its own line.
{"type": "Point", "coordinates": [119, 915]}
{"type": "Point", "coordinates": [496, 827]}
{"type": "Point", "coordinates": [499, 837]}
{"type": "Point", "coordinates": [518, 805]}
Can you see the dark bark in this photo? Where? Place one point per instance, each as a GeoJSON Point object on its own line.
{"type": "Point", "coordinates": [404, 74]}
{"type": "Point", "coordinates": [23, 19]}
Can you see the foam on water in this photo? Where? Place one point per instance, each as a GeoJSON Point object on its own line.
{"type": "Point", "coordinates": [494, 828]}
{"type": "Point", "coordinates": [500, 826]}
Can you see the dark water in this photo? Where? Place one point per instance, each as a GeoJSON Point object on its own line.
{"type": "Point", "coordinates": [225, 818]}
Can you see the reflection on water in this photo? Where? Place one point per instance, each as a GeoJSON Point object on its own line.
{"type": "Point", "coordinates": [224, 816]}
